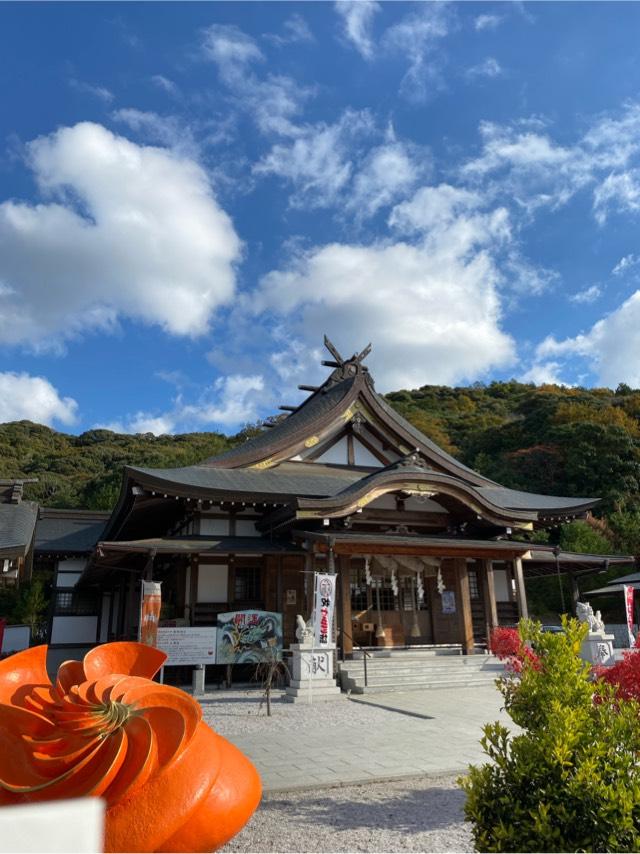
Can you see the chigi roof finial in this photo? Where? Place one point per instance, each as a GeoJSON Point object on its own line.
{"type": "Point", "coordinates": [338, 361]}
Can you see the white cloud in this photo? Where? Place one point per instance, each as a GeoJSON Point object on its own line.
{"type": "Point", "coordinates": [626, 263]}
{"type": "Point", "coordinates": [273, 101]}
{"type": "Point", "coordinates": [544, 373]}
{"type": "Point", "coordinates": [388, 171]}
{"type": "Point", "coordinates": [168, 86]}
{"type": "Point", "coordinates": [588, 295]}
{"type": "Point", "coordinates": [99, 92]}
{"type": "Point", "coordinates": [296, 30]}
{"type": "Point", "coordinates": [487, 22]}
{"type": "Point", "coordinates": [407, 298]}
{"type": "Point", "coordinates": [231, 401]}
{"type": "Point", "coordinates": [318, 162]}
{"type": "Point", "coordinates": [620, 191]}
{"type": "Point", "coordinates": [34, 399]}
{"type": "Point", "coordinates": [129, 230]}
{"type": "Point", "coordinates": [416, 37]}
{"type": "Point", "coordinates": [610, 347]}
{"type": "Point", "coordinates": [525, 162]}
{"type": "Point", "coordinates": [490, 67]}
{"type": "Point", "coordinates": [357, 20]}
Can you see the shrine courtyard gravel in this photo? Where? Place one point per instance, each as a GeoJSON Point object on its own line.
{"type": "Point", "coordinates": [371, 773]}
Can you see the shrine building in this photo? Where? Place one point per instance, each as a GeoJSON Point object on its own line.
{"type": "Point", "coordinates": [427, 551]}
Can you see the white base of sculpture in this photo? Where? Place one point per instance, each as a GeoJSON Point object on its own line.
{"type": "Point", "coordinates": [597, 648]}
{"type": "Point", "coordinates": [312, 675]}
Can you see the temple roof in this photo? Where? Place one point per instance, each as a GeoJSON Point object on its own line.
{"type": "Point", "coordinates": [293, 462]}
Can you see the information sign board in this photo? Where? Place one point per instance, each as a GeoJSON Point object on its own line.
{"type": "Point", "coordinates": [186, 645]}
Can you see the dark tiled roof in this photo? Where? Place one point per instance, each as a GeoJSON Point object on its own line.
{"type": "Point", "coordinates": [284, 481]}
{"type": "Point", "coordinates": [17, 524]}
{"type": "Point", "coordinates": [69, 531]}
{"type": "Point", "coordinates": [315, 480]}
{"type": "Point", "coordinates": [517, 500]}
{"type": "Point", "coordinates": [312, 409]}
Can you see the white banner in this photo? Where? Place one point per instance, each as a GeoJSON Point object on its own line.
{"type": "Point", "coordinates": [628, 607]}
{"type": "Point", "coordinates": [325, 607]}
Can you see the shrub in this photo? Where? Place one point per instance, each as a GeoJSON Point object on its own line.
{"type": "Point", "coordinates": [509, 647]}
{"type": "Point", "coordinates": [624, 675]}
{"type": "Point", "coordinates": [569, 779]}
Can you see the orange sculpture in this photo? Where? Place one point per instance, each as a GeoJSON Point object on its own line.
{"type": "Point", "coordinates": [169, 781]}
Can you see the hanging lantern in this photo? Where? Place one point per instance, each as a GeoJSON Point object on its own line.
{"type": "Point", "coordinates": [420, 588]}
{"type": "Point", "coordinates": [440, 582]}
{"type": "Point", "coordinates": [394, 582]}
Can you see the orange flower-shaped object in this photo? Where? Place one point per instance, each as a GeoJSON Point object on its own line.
{"type": "Point", "coordinates": [169, 781]}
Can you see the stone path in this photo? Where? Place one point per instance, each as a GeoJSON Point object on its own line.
{"type": "Point", "coordinates": [358, 740]}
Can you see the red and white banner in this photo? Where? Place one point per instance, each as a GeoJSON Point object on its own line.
{"type": "Point", "coordinates": [325, 606]}
{"type": "Point", "coordinates": [150, 612]}
{"type": "Point", "coordinates": [628, 607]}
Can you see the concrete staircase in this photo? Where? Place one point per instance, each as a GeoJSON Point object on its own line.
{"type": "Point", "coordinates": [417, 669]}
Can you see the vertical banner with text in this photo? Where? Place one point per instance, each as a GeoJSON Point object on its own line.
{"type": "Point", "coordinates": [150, 612]}
{"type": "Point", "coordinates": [628, 607]}
{"type": "Point", "coordinates": [325, 607]}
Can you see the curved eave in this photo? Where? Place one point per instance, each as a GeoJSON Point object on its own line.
{"type": "Point", "coordinates": [360, 495]}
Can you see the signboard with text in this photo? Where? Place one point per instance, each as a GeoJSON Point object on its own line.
{"type": "Point", "coordinates": [187, 645]}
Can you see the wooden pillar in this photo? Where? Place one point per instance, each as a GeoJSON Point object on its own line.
{"type": "Point", "coordinates": [575, 591]}
{"type": "Point", "coordinates": [485, 571]}
{"type": "Point", "coordinates": [463, 605]}
{"type": "Point", "coordinates": [345, 606]}
{"type": "Point", "coordinates": [521, 592]}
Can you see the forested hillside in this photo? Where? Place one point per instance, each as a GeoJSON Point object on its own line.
{"type": "Point", "coordinates": [550, 439]}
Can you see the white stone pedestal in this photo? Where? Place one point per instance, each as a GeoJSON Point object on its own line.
{"type": "Point", "coordinates": [312, 675]}
{"type": "Point", "coordinates": [597, 648]}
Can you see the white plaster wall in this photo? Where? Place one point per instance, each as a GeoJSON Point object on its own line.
{"type": "Point", "coordinates": [246, 528]}
{"type": "Point", "coordinates": [363, 457]}
{"type": "Point", "coordinates": [213, 581]}
{"type": "Point", "coordinates": [69, 571]}
{"type": "Point", "coordinates": [214, 527]}
{"type": "Point", "coordinates": [501, 584]}
{"type": "Point", "coordinates": [74, 630]}
{"type": "Point", "coordinates": [336, 454]}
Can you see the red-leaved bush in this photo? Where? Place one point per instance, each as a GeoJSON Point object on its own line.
{"type": "Point", "coordinates": [508, 646]}
{"type": "Point", "coordinates": [624, 675]}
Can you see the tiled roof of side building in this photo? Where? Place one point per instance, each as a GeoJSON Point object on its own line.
{"type": "Point", "coordinates": [17, 524]}
{"type": "Point", "coordinates": [69, 530]}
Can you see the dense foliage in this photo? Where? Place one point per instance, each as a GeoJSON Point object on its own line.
{"type": "Point", "coordinates": [569, 779]}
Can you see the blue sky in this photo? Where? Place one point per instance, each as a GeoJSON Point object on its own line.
{"type": "Point", "coordinates": [191, 195]}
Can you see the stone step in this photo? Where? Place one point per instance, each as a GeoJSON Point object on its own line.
{"type": "Point", "coordinates": [417, 686]}
{"type": "Point", "coordinates": [420, 668]}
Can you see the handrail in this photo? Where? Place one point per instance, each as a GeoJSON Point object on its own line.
{"type": "Point", "coordinates": [362, 649]}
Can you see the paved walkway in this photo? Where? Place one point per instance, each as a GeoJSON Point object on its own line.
{"type": "Point", "coordinates": [362, 739]}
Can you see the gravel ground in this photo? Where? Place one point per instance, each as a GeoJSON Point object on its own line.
{"type": "Point", "coordinates": [422, 814]}
{"type": "Point", "coordinates": [239, 713]}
